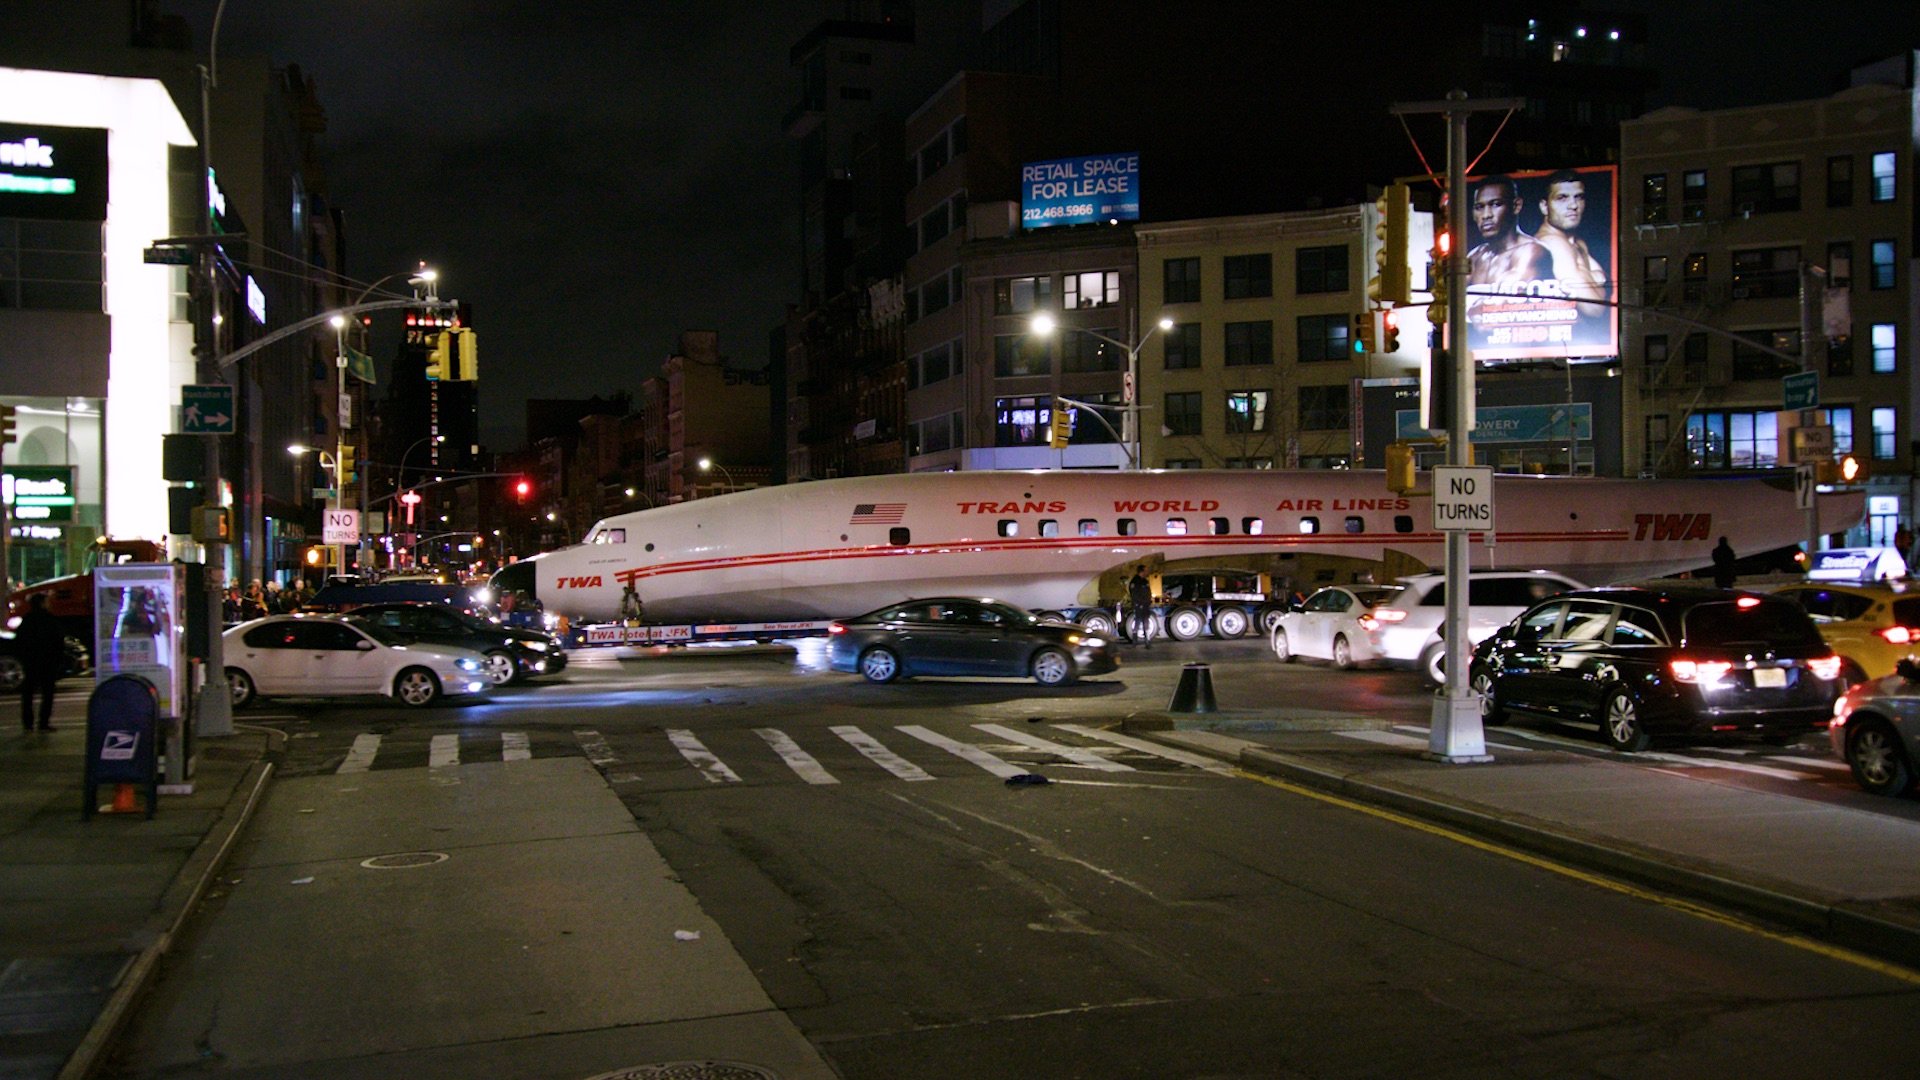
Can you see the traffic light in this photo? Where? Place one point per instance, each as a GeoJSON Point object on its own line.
{"type": "Point", "coordinates": [1437, 271]}
{"type": "Point", "coordinates": [1061, 431]}
{"type": "Point", "coordinates": [522, 488]}
{"type": "Point", "coordinates": [346, 467]}
{"type": "Point", "coordinates": [440, 359]}
{"type": "Point", "coordinates": [1399, 467]}
{"type": "Point", "coordinates": [463, 354]}
{"type": "Point", "coordinates": [1364, 339]}
{"type": "Point", "coordinates": [1394, 282]}
{"type": "Point", "coordinates": [6, 424]}
{"type": "Point", "coordinates": [1389, 332]}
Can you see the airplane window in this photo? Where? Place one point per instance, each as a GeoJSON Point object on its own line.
{"type": "Point", "coordinates": [1049, 527]}
{"type": "Point", "coordinates": [1253, 526]}
{"type": "Point", "coordinates": [1089, 527]}
{"type": "Point", "coordinates": [1009, 527]}
{"type": "Point", "coordinates": [1176, 526]}
{"type": "Point", "coordinates": [615, 536]}
{"type": "Point", "coordinates": [1219, 526]}
{"type": "Point", "coordinates": [899, 537]}
{"type": "Point", "coordinates": [1403, 523]}
{"type": "Point", "coordinates": [1356, 525]}
{"type": "Point", "coordinates": [1128, 527]}
{"type": "Point", "coordinates": [1309, 525]}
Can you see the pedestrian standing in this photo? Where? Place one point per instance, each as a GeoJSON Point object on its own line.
{"type": "Point", "coordinates": [1723, 559]}
{"type": "Point", "coordinates": [42, 647]}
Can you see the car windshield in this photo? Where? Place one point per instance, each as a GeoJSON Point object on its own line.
{"type": "Point", "coordinates": [375, 631]}
{"type": "Point", "coordinates": [1770, 622]}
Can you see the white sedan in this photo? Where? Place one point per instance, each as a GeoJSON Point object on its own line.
{"type": "Point", "coordinates": [1329, 625]}
{"type": "Point", "coordinates": [333, 655]}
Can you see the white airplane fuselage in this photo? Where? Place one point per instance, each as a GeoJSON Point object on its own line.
{"type": "Point", "coordinates": [1041, 540]}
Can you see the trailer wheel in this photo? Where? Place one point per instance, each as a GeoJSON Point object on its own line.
{"type": "Point", "coordinates": [1269, 617]}
{"type": "Point", "coordinates": [1097, 621]}
{"type": "Point", "coordinates": [1185, 623]}
{"type": "Point", "coordinates": [1230, 622]}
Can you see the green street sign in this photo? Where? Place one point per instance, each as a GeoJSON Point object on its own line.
{"type": "Point", "coordinates": [1801, 390]}
{"type": "Point", "coordinates": [206, 410]}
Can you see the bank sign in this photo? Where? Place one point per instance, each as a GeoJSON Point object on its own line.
{"type": "Point", "coordinates": [38, 492]}
{"type": "Point", "coordinates": [1080, 190]}
{"type": "Point", "coordinates": [53, 172]}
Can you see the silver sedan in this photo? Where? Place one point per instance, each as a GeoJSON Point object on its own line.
{"type": "Point", "coordinates": [1876, 729]}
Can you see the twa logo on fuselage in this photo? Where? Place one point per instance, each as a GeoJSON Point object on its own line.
{"type": "Point", "coordinates": [565, 582]}
{"type": "Point", "coordinates": [1672, 526]}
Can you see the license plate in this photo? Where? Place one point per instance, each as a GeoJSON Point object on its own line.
{"type": "Point", "coordinates": [1769, 676]}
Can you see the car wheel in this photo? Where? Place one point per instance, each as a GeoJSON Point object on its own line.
{"type": "Point", "coordinates": [1185, 623]}
{"type": "Point", "coordinates": [240, 688]}
{"type": "Point", "coordinates": [879, 664]}
{"type": "Point", "coordinates": [12, 674]}
{"type": "Point", "coordinates": [1282, 648]}
{"type": "Point", "coordinates": [1230, 622]}
{"type": "Point", "coordinates": [1269, 617]}
{"type": "Point", "coordinates": [1342, 652]}
{"type": "Point", "coordinates": [1097, 622]}
{"type": "Point", "coordinates": [1051, 667]}
{"type": "Point", "coordinates": [1620, 722]}
{"type": "Point", "coordinates": [417, 687]}
{"type": "Point", "coordinates": [1879, 762]}
{"type": "Point", "coordinates": [1491, 711]}
{"type": "Point", "coordinates": [1433, 663]}
{"type": "Point", "coordinates": [1051, 616]}
{"type": "Point", "coordinates": [500, 668]}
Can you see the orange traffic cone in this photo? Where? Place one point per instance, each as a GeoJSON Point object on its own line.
{"type": "Point", "coordinates": [123, 799]}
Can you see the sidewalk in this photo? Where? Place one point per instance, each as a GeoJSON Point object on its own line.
{"type": "Point", "coordinates": [1846, 876]}
{"type": "Point", "coordinates": [87, 909]}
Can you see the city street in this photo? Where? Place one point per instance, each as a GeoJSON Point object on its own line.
{"type": "Point", "coordinates": [867, 879]}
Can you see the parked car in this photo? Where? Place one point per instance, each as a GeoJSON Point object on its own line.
{"type": "Point", "coordinates": [952, 635]}
{"type": "Point", "coordinates": [333, 655]}
{"type": "Point", "coordinates": [1873, 626]}
{"type": "Point", "coordinates": [512, 652]}
{"type": "Point", "coordinates": [1406, 630]}
{"type": "Point", "coordinates": [1662, 661]}
{"type": "Point", "coordinates": [1876, 729]}
{"type": "Point", "coordinates": [1330, 626]}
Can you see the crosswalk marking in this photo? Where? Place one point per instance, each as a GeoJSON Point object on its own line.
{"type": "Point", "coordinates": [880, 755]}
{"type": "Point", "coordinates": [443, 751]}
{"type": "Point", "coordinates": [595, 748]}
{"type": "Point", "coordinates": [360, 758]}
{"type": "Point", "coordinates": [513, 746]}
{"type": "Point", "coordinates": [797, 759]}
{"type": "Point", "coordinates": [961, 750]}
{"type": "Point", "coordinates": [701, 758]}
{"type": "Point", "coordinates": [1072, 753]}
{"type": "Point", "coordinates": [1184, 757]}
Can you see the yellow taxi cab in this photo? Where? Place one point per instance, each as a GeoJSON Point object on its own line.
{"type": "Point", "coordinates": [1871, 625]}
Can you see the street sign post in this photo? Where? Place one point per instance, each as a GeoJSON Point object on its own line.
{"type": "Point", "coordinates": [206, 409]}
{"type": "Point", "coordinates": [1801, 390]}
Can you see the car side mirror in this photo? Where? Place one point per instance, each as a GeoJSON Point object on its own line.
{"type": "Point", "coordinates": [363, 645]}
{"type": "Point", "coordinates": [1907, 669]}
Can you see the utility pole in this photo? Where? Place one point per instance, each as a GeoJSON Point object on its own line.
{"type": "Point", "coordinates": [1455, 734]}
{"type": "Point", "coordinates": [213, 705]}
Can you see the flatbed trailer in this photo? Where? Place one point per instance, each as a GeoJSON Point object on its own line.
{"type": "Point", "coordinates": [600, 635]}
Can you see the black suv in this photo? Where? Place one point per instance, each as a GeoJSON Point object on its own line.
{"type": "Point", "coordinates": [1680, 661]}
{"type": "Point", "coordinates": [512, 653]}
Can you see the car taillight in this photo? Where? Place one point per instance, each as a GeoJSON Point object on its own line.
{"type": "Point", "coordinates": [1388, 614]}
{"type": "Point", "coordinates": [1369, 623]}
{"type": "Point", "coordinates": [1897, 635]}
{"type": "Point", "coordinates": [1825, 667]}
{"type": "Point", "coordinates": [1703, 672]}
{"type": "Point", "coordinates": [836, 628]}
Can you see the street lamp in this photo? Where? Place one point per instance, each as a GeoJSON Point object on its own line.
{"type": "Point", "coordinates": [1044, 324]}
{"type": "Point", "coordinates": [708, 464]}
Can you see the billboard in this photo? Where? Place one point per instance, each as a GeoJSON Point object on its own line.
{"type": "Point", "coordinates": [1080, 190]}
{"type": "Point", "coordinates": [1538, 242]}
{"type": "Point", "coordinates": [53, 172]}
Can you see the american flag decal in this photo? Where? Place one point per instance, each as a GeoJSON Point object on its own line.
{"type": "Point", "coordinates": [877, 513]}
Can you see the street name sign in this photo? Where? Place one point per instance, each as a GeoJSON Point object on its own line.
{"type": "Point", "coordinates": [341, 527]}
{"type": "Point", "coordinates": [206, 409]}
{"type": "Point", "coordinates": [1463, 498]}
{"type": "Point", "coordinates": [1801, 390]}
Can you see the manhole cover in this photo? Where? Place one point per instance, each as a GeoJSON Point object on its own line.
{"type": "Point", "coordinates": [691, 1070]}
{"type": "Point", "coordinates": [405, 860]}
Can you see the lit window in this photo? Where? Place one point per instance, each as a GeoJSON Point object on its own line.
{"type": "Point", "coordinates": [1309, 525]}
{"type": "Point", "coordinates": [1253, 526]}
{"type": "Point", "coordinates": [1885, 427]}
{"type": "Point", "coordinates": [1884, 337]}
{"type": "Point", "coordinates": [1009, 527]}
{"type": "Point", "coordinates": [1089, 527]}
{"type": "Point", "coordinates": [1176, 526]}
{"type": "Point", "coordinates": [1883, 186]}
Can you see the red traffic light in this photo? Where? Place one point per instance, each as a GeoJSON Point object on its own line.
{"type": "Point", "coordinates": [523, 488]}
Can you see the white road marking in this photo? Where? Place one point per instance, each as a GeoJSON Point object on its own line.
{"type": "Point", "coordinates": [595, 748]}
{"type": "Point", "coordinates": [880, 755]}
{"type": "Point", "coordinates": [1184, 757]}
{"type": "Point", "coordinates": [1072, 753]}
{"type": "Point", "coordinates": [1815, 763]}
{"type": "Point", "coordinates": [360, 758]}
{"type": "Point", "coordinates": [1709, 763]}
{"type": "Point", "coordinates": [513, 746]}
{"type": "Point", "coordinates": [1425, 736]}
{"type": "Point", "coordinates": [701, 758]}
{"type": "Point", "coordinates": [443, 751]}
{"type": "Point", "coordinates": [797, 759]}
{"type": "Point", "coordinates": [963, 751]}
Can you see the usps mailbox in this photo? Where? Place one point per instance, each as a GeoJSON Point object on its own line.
{"type": "Point", "coordinates": [123, 731]}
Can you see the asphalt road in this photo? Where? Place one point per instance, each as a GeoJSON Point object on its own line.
{"type": "Point", "coordinates": [913, 914]}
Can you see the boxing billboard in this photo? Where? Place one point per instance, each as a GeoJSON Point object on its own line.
{"type": "Point", "coordinates": [1538, 243]}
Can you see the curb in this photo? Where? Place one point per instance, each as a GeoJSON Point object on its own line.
{"type": "Point", "coordinates": [176, 906]}
{"type": "Point", "coordinates": [1837, 923]}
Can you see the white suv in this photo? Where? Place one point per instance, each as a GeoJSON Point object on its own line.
{"type": "Point", "coordinates": [1405, 631]}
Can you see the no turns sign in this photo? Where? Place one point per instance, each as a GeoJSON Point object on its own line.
{"type": "Point", "coordinates": [341, 527]}
{"type": "Point", "coordinates": [1463, 498]}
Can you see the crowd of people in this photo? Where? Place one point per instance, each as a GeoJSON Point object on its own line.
{"type": "Point", "coordinates": [259, 600]}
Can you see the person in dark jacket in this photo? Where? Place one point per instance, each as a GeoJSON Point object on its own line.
{"type": "Point", "coordinates": [42, 648]}
{"type": "Point", "coordinates": [1723, 559]}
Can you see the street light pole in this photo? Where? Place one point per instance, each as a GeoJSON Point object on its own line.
{"type": "Point", "coordinates": [213, 705]}
{"type": "Point", "coordinates": [1130, 414]}
{"type": "Point", "coordinates": [708, 463]}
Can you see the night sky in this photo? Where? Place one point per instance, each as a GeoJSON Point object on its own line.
{"type": "Point", "coordinates": [596, 177]}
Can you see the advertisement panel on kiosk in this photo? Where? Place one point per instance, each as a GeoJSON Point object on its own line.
{"type": "Point", "coordinates": [139, 628]}
{"type": "Point", "coordinates": [1538, 243]}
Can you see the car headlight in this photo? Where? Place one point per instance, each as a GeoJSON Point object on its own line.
{"type": "Point", "coordinates": [466, 664]}
{"type": "Point", "coordinates": [536, 646]}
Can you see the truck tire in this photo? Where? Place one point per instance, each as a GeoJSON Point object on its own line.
{"type": "Point", "coordinates": [1230, 622]}
{"type": "Point", "coordinates": [1184, 623]}
{"type": "Point", "coordinates": [1097, 621]}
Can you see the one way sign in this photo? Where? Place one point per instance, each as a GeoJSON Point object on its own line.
{"type": "Point", "coordinates": [206, 410]}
